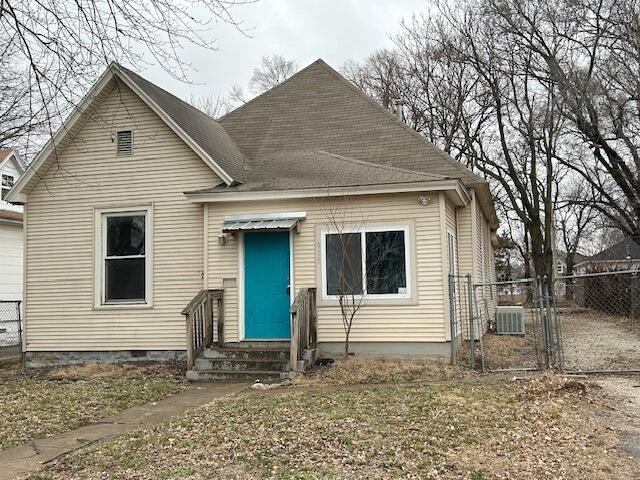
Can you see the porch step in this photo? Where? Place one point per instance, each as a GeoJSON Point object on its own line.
{"type": "Point", "coordinates": [243, 362]}
{"type": "Point", "coordinates": [245, 352]}
{"type": "Point", "coordinates": [235, 375]}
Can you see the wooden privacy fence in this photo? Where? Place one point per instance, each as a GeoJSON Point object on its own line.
{"type": "Point", "coordinates": [205, 322]}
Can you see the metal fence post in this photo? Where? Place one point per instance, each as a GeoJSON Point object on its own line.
{"type": "Point", "coordinates": [472, 341]}
{"type": "Point", "coordinates": [543, 334]}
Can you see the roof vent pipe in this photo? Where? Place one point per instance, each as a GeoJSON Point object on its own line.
{"type": "Point", "coordinates": [398, 105]}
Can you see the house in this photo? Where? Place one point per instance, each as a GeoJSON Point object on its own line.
{"type": "Point", "coordinates": [258, 222]}
{"type": "Point", "coordinates": [623, 255]}
{"type": "Point", "coordinates": [11, 168]}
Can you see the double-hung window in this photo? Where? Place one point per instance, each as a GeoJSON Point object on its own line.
{"type": "Point", "coordinates": [7, 183]}
{"type": "Point", "coordinates": [124, 262]}
{"type": "Point", "coordinates": [369, 261]}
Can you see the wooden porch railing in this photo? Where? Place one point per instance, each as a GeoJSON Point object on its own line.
{"type": "Point", "coordinates": [304, 333]}
{"type": "Point", "coordinates": [205, 322]}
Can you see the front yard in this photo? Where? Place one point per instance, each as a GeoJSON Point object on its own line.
{"type": "Point", "coordinates": [474, 428]}
{"type": "Point", "coordinates": [42, 403]}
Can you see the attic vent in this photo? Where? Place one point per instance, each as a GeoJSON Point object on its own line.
{"type": "Point", "coordinates": [125, 142]}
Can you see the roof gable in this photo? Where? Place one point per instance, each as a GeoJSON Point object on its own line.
{"type": "Point", "coordinates": [203, 130]}
{"type": "Point", "coordinates": [317, 108]}
{"type": "Point", "coordinates": [203, 134]}
{"type": "Point", "coordinates": [10, 155]}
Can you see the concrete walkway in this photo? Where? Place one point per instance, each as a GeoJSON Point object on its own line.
{"type": "Point", "coordinates": [30, 457]}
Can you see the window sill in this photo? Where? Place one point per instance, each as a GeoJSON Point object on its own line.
{"type": "Point", "coordinates": [334, 302]}
{"type": "Point", "coordinates": [121, 306]}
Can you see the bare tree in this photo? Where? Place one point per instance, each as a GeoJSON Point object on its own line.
{"type": "Point", "coordinates": [588, 52]}
{"type": "Point", "coordinates": [58, 48]}
{"type": "Point", "coordinates": [576, 222]}
{"type": "Point", "coordinates": [380, 76]}
{"type": "Point", "coordinates": [272, 71]}
{"type": "Point", "coordinates": [213, 105]}
{"type": "Point", "coordinates": [469, 92]}
{"type": "Point", "coordinates": [22, 119]}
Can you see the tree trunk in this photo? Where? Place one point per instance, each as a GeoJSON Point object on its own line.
{"type": "Point", "coordinates": [571, 260]}
{"type": "Point", "coordinates": [346, 345]}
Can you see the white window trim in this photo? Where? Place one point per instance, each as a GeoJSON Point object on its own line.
{"type": "Point", "coordinates": [100, 246]}
{"type": "Point", "coordinates": [363, 230]}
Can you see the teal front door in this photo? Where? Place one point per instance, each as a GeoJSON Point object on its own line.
{"type": "Point", "coordinates": [266, 285]}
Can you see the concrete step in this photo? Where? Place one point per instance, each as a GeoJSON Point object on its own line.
{"type": "Point", "coordinates": [243, 363]}
{"type": "Point", "coordinates": [264, 353]}
{"type": "Point", "coordinates": [235, 375]}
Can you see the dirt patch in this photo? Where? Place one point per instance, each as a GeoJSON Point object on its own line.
{"type": "Point", "coordinates": [593, 340]}
{"type": "Point", "coordinates": [361, 369]}
{"type": "Point", "coordinates": [540, 427]}
{"type": "Point", "coordinates": [622, 396]}
{"type": "Point", "coordinates": [512, 351]}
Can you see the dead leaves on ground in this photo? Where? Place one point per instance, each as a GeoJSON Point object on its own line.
{"type": "Point", "coordinates": [534, 428]}
{"type": "Point", "coordinates": [41, 403]}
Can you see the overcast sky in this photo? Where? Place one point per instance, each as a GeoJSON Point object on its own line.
{"type": "Point", "coordinates": [302, 30]}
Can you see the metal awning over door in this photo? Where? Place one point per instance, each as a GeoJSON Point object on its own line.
{"type": "Point", "coordinates": [262, 221]}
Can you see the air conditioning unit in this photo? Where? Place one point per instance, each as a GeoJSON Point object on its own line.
{"type": "Point", "coordinates": [510, 320]}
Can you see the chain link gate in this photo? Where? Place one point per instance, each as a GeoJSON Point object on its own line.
{"type": "Point", "coordinates": [521, 332]}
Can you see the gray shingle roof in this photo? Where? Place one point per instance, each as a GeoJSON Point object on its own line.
{"type": "Point", "coordinates": [317, 108]}
{"type": "Point", "coordinates": [318, 169]}
{"type": "Point", "coordinates": [204, 130]}
{"type": "Point", "coordinates": [627, 247]}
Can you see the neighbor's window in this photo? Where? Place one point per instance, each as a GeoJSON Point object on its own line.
{"type": "Point", "coordinates": [372, 262]}
{"type": "Point", "coordinates": [7, 183]}
{"type": "Point", "coordinates": [124, 257]}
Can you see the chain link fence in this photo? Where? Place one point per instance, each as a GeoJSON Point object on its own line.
{"type": "Point", "coordinates": [580, 323]}
{"type": "Point", "coordinates": [10, 329]}
{"type": "Point", "coordinates": [600, 317]}
{"type": "Point", "coordinates": [514, 337]}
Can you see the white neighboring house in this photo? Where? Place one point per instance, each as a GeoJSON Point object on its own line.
{"type": "Point", "coordinates": [11, 168]}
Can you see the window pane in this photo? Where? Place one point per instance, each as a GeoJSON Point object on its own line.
{"type": "Point", "coordinates": [4, 193]}
{"type": "Point", "coordinates": [124, 279]}
{"type": "Point", "coordinates": [125, 235]}
{"type": "Point", "coordinates": [7, 181]}
{"type": "Point", "coordinates": [344, 264]}
{"type": "Point", "coordinates": [386, 272]}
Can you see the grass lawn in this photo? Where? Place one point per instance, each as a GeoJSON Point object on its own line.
{"type": "Point", "coordinates": [476, 429]}
{"type": "Point", "coordinates": [40, 403]}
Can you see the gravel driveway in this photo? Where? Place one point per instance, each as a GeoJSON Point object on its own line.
{"type": "Point", "coordinates": [593, 340]}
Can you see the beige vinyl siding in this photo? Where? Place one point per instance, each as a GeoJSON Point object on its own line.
{"type": "Point", "coordinates": [485, 295]}
{"type": "Point", "coordinates": [451, 225]}
{"type": "Point", "coordinates": [403, 320]}
{"type": "Point", "coordinates": [60, 312]}
{"type": "Point", "coordinates": [466, 245]}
